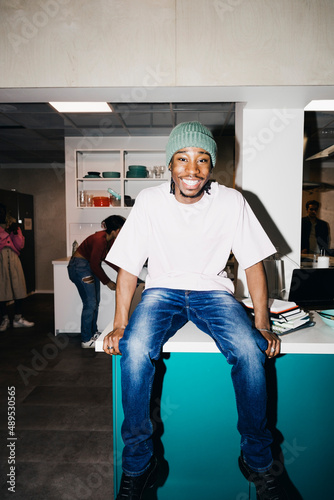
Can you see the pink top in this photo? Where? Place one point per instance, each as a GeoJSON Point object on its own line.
{"type": "Point", "coordinates": [13, 241]}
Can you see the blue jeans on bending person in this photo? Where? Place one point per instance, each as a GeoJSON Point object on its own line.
{"type": "Point", "coordinates": [157, 317]}
{"type": "Point", "coordinates": [79, 270]}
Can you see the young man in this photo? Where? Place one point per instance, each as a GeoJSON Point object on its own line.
{"type": "Point", "coordinates": [315, 232]}
{"type": "Point", "coordinates": [187, 231]}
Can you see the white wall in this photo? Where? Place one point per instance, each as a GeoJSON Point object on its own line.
{"type": "Point", "coordinates": [269, 172]}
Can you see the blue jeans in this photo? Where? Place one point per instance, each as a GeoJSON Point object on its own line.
{"type": "Point", "coordinates": [78, 269]}
{"type": "Point", "coordinates": [157, 317]}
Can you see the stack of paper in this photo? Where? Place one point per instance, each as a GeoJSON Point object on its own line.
{"type": "Point", "coordinates": [285, 316]}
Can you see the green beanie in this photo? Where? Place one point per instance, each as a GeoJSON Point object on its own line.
{"type": "Point", "coordinates": [191, 135]}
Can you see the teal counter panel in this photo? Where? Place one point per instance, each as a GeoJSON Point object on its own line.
{"type": "Point", "coordinates": [198, 426]}
{"type": "Point", "coordinates": [305, 419]}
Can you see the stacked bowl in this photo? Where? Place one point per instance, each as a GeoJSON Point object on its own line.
{"type": "Point", "coordinates": [111, 174]}
{"type": "Point", "coordinates": [137, 171]}
{"type": "Point", "coordinates": [327, 317]}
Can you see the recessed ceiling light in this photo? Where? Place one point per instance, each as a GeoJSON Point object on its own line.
{"type": "Point", "coordinates": [324, 105]}
{"type": "Point", "coordinates": [81, 107]}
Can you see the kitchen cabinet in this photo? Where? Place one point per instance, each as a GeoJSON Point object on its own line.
{"type": "Point", "coordinates": [195, 419]}
{"type": "Point", "coordinates": [106, 154]}
{"type": "Point", "coordinates": [68, 304]}
{"type": "Point", "coordinates": [117, 161]}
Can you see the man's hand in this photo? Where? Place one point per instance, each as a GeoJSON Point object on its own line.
{"type": "Point", "coordinates": [274, 342]}
{"type": "Point", "coordinates": [125, 288]}
{"type": "Point", "coordinates": [111, 341]}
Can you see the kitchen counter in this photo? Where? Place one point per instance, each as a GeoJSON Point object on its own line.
{"type": "Point", "coordinates": [318, 339]}
{"type": "Point", "coordinates": [196, 406]}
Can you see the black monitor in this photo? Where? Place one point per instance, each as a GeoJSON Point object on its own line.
{"type": "Point", "coordinates": [313, 288]}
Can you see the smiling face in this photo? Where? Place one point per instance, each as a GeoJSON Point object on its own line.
{"type": "Point", "coordinates": [191, 170]}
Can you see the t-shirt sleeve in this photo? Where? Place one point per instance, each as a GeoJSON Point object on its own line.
{"type": "Point", "coordinates": [130, 250]}
{"type": "Point", "coordinates": [251, 244]}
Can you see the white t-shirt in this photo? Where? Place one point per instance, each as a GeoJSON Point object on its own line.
{"type": "Point", "coordinates": [187, 246]}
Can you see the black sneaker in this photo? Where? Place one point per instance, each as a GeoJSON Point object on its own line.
{"type": "Point", "coordinates": [132, 488]}
{"type": "Point", "coordinates": [266, 483]}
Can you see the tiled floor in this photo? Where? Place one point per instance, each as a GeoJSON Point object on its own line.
{"type": "Point", "coordinates": [63, 408]}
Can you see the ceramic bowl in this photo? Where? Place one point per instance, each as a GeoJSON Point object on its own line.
{"type": "Point", "coordinates": [111, 174]}
{"type": "Point", "coordinates": [324, 315]}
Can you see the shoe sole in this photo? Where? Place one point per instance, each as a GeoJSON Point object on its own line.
{"type": "Point", "coordinates": [152, 478]}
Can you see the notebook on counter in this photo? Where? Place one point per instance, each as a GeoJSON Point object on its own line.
{"type": "Point", "coordinates": [276, 306]}
{"type": "Point", "coordinates": [312, 288]}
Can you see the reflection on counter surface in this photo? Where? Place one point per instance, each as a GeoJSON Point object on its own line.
{"type": "Point", "coordinates": [316, 261]}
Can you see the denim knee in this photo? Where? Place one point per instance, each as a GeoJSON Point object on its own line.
{"type": "Point", "coordinates": [251, 349]}
{"type": "Point", "coordinates": [135, 353]}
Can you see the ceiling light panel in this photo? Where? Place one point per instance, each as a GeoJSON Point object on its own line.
{"type": "Point", "coordinates": [81, 107]}
{"type": "Point", "coordinates": [324, 105]}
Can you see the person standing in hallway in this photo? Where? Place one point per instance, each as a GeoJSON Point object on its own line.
{"type": "Point", "coordinates": [12, 280]}
{"type": "Point", "coordinates": [85, 271]}
{"type": "Point", "coordinates": [187, 231]}
{"type": "Point", "coordinates": [315, 232]}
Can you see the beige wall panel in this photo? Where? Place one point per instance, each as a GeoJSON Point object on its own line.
{"type": "Point", "coordinates": [257, 42]}
{"type": "Point", "coordinates": [65, 43]}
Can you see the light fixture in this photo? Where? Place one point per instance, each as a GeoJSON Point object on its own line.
{"type": "Point", "coordinates": [81, 107]}
{"type": "Point", "coordinates": [321, 105]}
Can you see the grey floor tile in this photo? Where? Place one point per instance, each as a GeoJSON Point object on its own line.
{"type": "Point", "coordinates": [73, 378]}
{"type": "Point", "coordinates": [70, 396]}
{"type": "Point", "coordinates": [89, 360]}
{"type": "Point", "coordinates": [65, 481]}
{"type": "Point", "coordinates": [55, 417]}
{"type": "Point", "coordinates": [63, 410]}
{"type": "Point", "coordinates": [62, 446]}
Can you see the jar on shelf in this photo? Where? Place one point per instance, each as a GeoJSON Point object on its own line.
{"type": "Point", "coordinates": [82, 199]}
{"type": "Point", "coordinates": [115, 198]}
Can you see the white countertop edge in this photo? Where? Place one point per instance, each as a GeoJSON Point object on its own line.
{"type": "Point", "coordinates": [61, 262]}
{"type": "Point", "coordinates": [307, 348]}
{"type": "Point", "coordinates": [315, 340]}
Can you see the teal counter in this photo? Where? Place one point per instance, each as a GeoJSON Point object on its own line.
{"type": "Point", "coordinates": [195, 418]}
